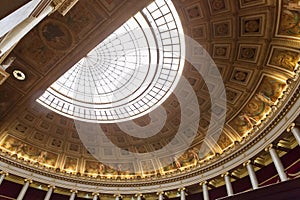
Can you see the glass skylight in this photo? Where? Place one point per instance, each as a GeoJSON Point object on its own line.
{"type": "Point", "coordinates": [126, 76]}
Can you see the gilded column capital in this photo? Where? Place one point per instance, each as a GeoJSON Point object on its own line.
{"type": "Point", "coordinates": [225, 174]}
{"type": "Point", "coordinates": [159, 193]}
{"type": "Point", "coordinates": [138, 195]}
{"type": "Point", "coordinates": [270, 146]}
{"type": "Point", "coordinates": [203, 183]}
{"type": "Point", "coordinates": [248, 162]}
{"type": "Point", "coordinates": [74, 191]}
{"type": "Point", "coordinates": [181, 189]}
{"type": "Point", "coordinates": [5, 173]}
{"type": "Point", "coordinates": [290, 127]}
{"type": "Point", "coordinates": [28, 180]}
{"type": "Point", "coordinates": [95, 194]}
{"type": "Point", "coordinates": [52, 186]}
{"type": "Point", "coordinates": [117, 195]}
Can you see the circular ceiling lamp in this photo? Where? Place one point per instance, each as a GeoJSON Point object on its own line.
{"type": "Point", "coordinates": [126, 76]}
{"type": "Point", "coordinates": [19, 75]}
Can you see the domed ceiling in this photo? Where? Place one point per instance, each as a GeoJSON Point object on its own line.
{"type": "Point", "coordinates": [254, 44]}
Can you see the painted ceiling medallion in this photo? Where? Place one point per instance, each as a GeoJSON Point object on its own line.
{"type": "Point", "coordinates": [56, 35]}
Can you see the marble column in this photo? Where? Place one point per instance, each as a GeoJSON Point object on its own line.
{"type": "Point", "coordinates": [228, 184]}
{"type": "Point", "coordinates": [95, 195]}
{"type": "Point", "coordinates": [160, 195]}
{"type": "Point", "coordinates": [73, 194]}
{"type": "Point", "coordinates": [2, 177]}
{"type": "Point", "coordinates": [19, 31]}
{"type": "Point", "coordinates": [182, 193]}
{"type": "Point", "coordinates": [296, 132]}
{"type": "Point", "coordinates": [24, 189]}
{"type": "Point", "coordinates": [205, 190]}
{"type": "Point", "coordinates": [277, 162]}
{"type": "Point", "coordinates": [252, 174]}
{"type": "Point", "coordinates": [49, 192]}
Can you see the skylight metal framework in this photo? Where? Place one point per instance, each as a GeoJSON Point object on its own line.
{"type": "Point", "coordinates": [127, 75]}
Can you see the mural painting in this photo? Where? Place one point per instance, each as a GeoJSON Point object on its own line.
{"type": "Point", "coordinates": [260, 104]}
{"type": "Point", "coordinates": [34, 50]}
{"type": "Point", "coordinates": [284, 58]}
{"type": "Point", "coordinates": [189, 158]}
{"type": "Point", "coordinates": [56, 35]}
{"type": "Point", "coordinates": [94, 167]}
{"type": "Point", "coordinates": [224, 141]}
{"type": "Point", "coordinates": [24, 150]}
{"type": "Point", "coordinates": [289, 24]}
{"type": "Point", "coordinates": [71, 164]}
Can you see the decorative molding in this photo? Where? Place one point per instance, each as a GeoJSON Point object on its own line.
{"type": "Point", "coordinates": [40, 7]}
{"type": "Point", "coordinates": [64, 6]}
{"type": "Point", "coordinates": [3, 76]}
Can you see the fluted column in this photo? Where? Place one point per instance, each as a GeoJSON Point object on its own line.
{"type": "Point", "coordinates": [182, 193]}
{"type": "Point", "coordinates": [205, 190]}
{"type": "Point", "coordinates": [277, 162]}
{"type": "Point", "coordinates": [160, 195]}
{"type": "Point", "coordinates": [295, 131]}
{"type": "Point", "coordinates": [252, 174]}
{"type": "Point", "coordinates": [24, 189]}
{"type": "Point", "coordinates": [228, 184]}
{"type": "Point", "coordinates": [3, 174]}
{"type": "Point", "coordinates": [73, 194]}
{"type": "Point", "coordinates": [49, 192]}
{"type": "Point", "coordinates": [95, 195]}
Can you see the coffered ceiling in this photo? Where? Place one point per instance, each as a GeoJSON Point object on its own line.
{"type": "Point", "coordinates": [255, 45]}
